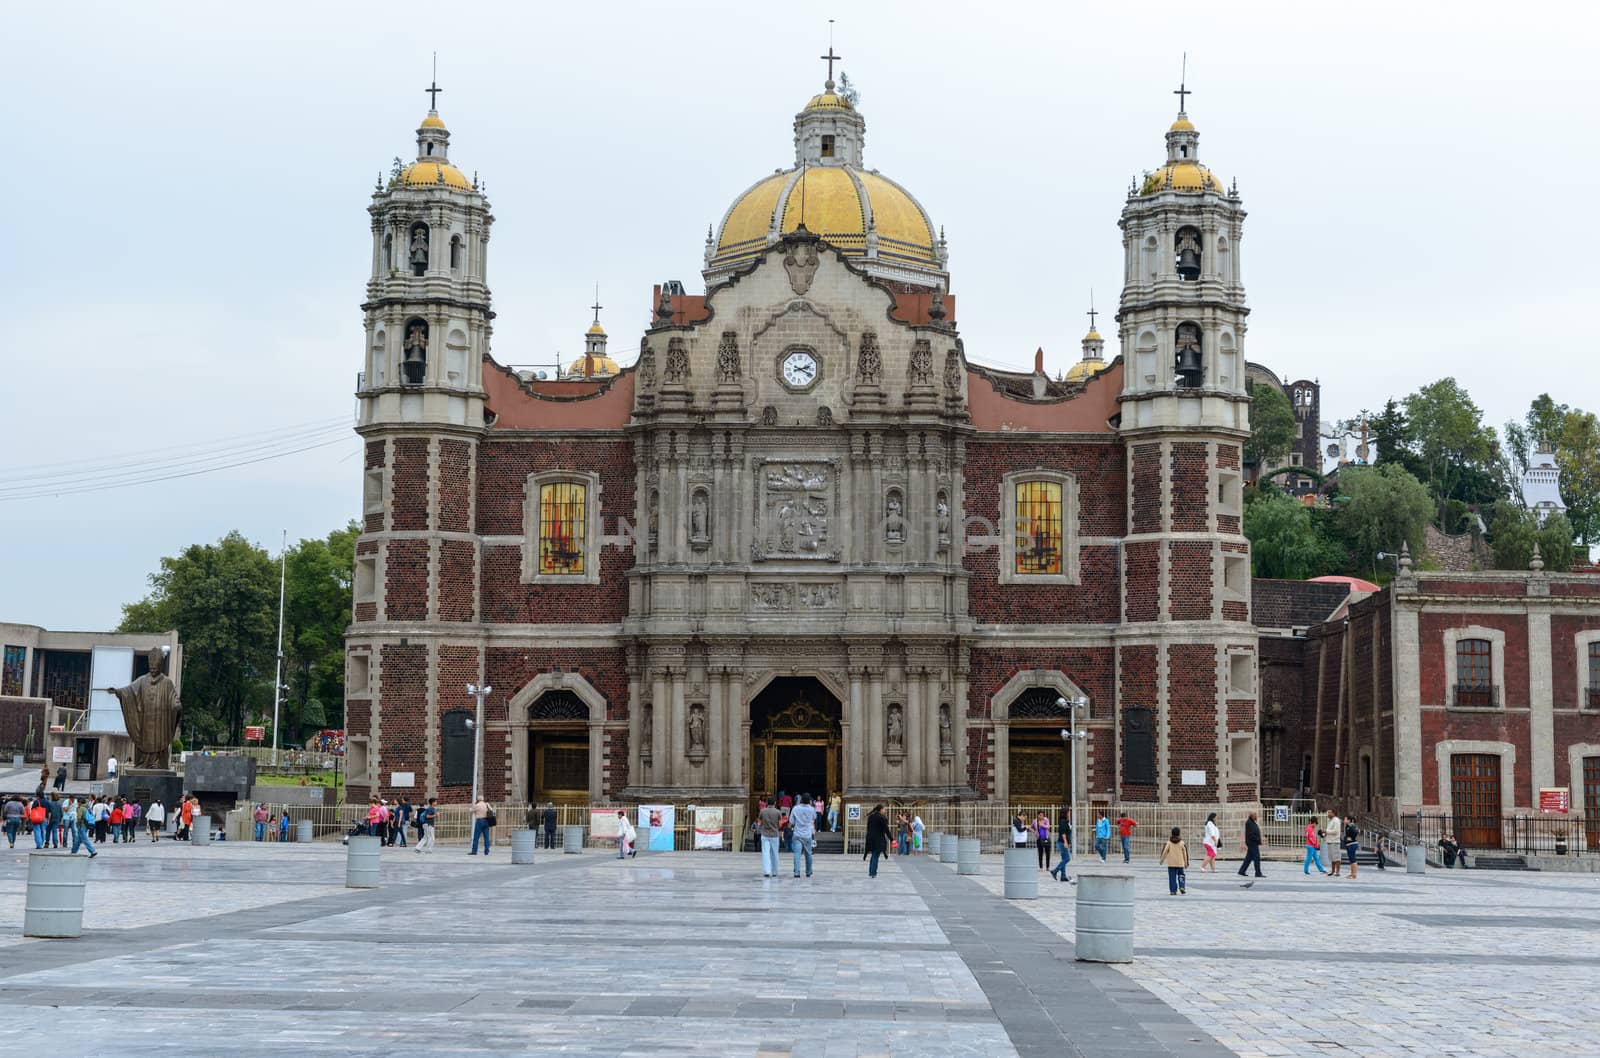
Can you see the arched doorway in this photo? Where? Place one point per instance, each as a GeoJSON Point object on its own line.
{"type": "Point", "coordinates": [795, 738]}
{"type": "Point", "coordinates": [1038, 753]}
{"type": "Point", "coordinates": [558, 748]}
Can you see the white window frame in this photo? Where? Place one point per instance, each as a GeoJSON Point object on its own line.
{"type": "Point", "coordinates": [1497, 666]}
{"type": "Point", "coordinates": [591, 527]}
{"type": "Point", "coordinates": [1069, 527]}
{"type": "Point", "coordinates": [1581, 644]}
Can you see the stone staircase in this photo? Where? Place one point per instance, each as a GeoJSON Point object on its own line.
{"type": "Point", "coordinates": [1492, 861]}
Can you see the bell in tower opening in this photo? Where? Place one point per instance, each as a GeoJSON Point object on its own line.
{"type": "Point", "coordinates": [1188, 363]}
{"type": "Point", "coordinates": [1187, 246]}
{"type": "Point", "coordinates": [414, 365]}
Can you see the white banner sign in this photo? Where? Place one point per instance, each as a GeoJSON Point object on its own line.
{"type": "Point", "coordinates": [708, 828]}
{"type": "Point", "coordinates": [61, 754]}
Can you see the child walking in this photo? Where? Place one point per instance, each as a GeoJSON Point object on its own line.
{"type": "Point", "coordinates": [1175, 857]}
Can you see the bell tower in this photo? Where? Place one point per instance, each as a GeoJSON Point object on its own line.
{"type": "Point", "coordinates": [1186, 648]}
{"type": "Point", "coordinates": [427, 308]}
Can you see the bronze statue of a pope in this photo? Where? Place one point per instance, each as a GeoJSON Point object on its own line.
{"type": "Point", "coordinates": [151, 711]}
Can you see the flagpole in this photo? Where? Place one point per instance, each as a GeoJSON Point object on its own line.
{"type": "Point", "coordinates": [277, 678]}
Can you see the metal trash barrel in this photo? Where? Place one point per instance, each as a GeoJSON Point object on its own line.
{"type": "Point", "coordinates": [53, 906]}
{"type": "Point", "coordinates": [572, 840]}
{"type": "Point", "coordinates": [931, 842]}
{"type": "Point", "coordinates": [641, 840]}
{"type": "Point", "coordinates": [1021, 875]}
{"type": "Point", "coordinates": [1416, 859]}
{"type": "Point", "coordinates": [949, 846]}
{"type": "Point", "coordinates": [967, 852]}
{"type": "Point", "coordinates": [1104, 916]}
{"type": "Point", "coordinates": [523, 842]}
{"type": "Point", "coordinates": [361, 862]}
{"type": "Point", "coordinates": [304, 832]}
{"type": "Point", "coordinates": [200, 830]}
{"type": "Point", "coordinates": [16, 762]}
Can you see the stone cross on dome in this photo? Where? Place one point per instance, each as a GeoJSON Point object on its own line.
{"type": "Point", "coordinates": [433, 89]}
{"type": "Point", "coordinates": [1181, 91]}
{"type": "Point", "coordinates": [831, 59]}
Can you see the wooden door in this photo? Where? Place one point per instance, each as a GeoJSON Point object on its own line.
{"type": "Point", "coordinates": [1475, 799]}
{"type": "Point", "coordinates": [1591, 800]}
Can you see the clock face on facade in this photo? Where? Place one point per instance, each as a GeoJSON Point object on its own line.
{"type": "Point", "coordinates": [799, 369]}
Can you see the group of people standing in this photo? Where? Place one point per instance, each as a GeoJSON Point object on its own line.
{"type": "Point", "coordinates": [1332, 843]}
{"type": "Point", "coordinates": [389, 822]}
{"type": "Point", "coordinates": [57, 818]}
{"type": "Point", "coordinates": [793, 824]}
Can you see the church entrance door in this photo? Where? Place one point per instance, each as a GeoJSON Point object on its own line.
{"type": "Point", "coordinates": [558, 749]}
{"type": "Point", "coordinates": [1038, 753]}
{"type": "Point", "coordinates": [795, 739]}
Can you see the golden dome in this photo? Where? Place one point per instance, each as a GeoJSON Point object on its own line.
{"type": "Point", "coordinates": [838, 201]}
{"type": "Point", "coordinates": [1182, 176]}
{"type": "Point", "coordinates": [604, 366]}
{"type": "Point", "coordinates": [1092, 336]}
{"type": "Point", "coordinates": [1084, 370]}
{"type": "Point", "coordinates": [427, 174]}
{"type": "Point", "coordinates": [828, 101]}
{"type": "Point", "coordinates": [595, 328]}
{"type": "Point", "coordinates": [1183, 124]}
{"type": "Point", "coordinates": [432, 121]}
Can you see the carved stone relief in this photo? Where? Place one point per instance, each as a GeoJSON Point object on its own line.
{"type": "Point", "coordinates": [728, 357]}
{"type": "Point", "coordinates": [782, 597]}
{"type": "Point", "coordinates": [647, 366]}
{"type": "Point", "coordinates": [801, 263]}
{"type": "Point", "coordinates": [769, 415]}
{"type": "Point", "coordinates": [795, 502]}
{"type": "Point", "coordinates": [824, 416]}
{"type": "Point", "coordinates": [869, 361]}
{"type": "Point", "coordinates": [920, 372]}
{"type": "Point", "coordinates": [676, 371]}
{"type": "Point", "coordinates": [646, 731]}
{"type": "Point", "coordinates": [952, 372]}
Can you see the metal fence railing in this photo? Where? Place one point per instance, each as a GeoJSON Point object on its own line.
{"type": "Point", "coordinates": [1570, 835]}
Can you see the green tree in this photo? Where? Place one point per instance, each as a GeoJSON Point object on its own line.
{"type": "Point", "coordinates": [316, 610]}
{"type": "Point", "coordinates": [1540, 426]}
{"type": "Point", "coordinates": [1577, 452]}
{"type": "Point", "coordinates": [1391, 435]}
{"type": "Point", "coordinates": [1514, 531]}
{"type": "Point", "coordinates": [1382, 507]}
{"type": "Point", "coordinates": [1458, 456]}
{"type": "Point", "coordinates": [1272, 426]}
{"type": "Point", "coordinates": [222, 600]}
{"type": "Point", "coordinates": [1284, 542]}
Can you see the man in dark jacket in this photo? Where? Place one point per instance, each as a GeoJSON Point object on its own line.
{"type": "Point", "coordinates": [877, 839]}
{"type": "Point", "coordinates": [1252, 846]}
{"type": "Point", "coordinates": [549, 826]}
{"type": "Point", "coordinates": [61, 778]}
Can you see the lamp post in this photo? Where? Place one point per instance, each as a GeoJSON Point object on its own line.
{"type": "Point", "coordinates": [480, 693]}
{"type": "Point", "coordinates": [1070, 737]}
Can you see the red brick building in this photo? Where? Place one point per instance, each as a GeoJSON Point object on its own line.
{"type": "Point", "coordinates": [802, 542]}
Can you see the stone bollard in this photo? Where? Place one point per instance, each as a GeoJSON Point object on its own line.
{"type": "Point", "coordinates": [1416, 859]}
{"type": "Point", "coordinates": [523, 842]}
{"type": "Point", "coordinates": [641, 841]}
{"type": "Point", "coordinates": [53, 906]}
{"type": "Point", "coordinates": [200, 830]}
{"type": "Point", "coordinates": [967, 852]}
{"type": "Point", "coordinates": [361, 862]}
{"type": "Point", "coordinates": [572, 840]}
{"type": "Point", "coordinates": [1104, 916]}
{"type": "Point", "coordinates": [304, 832]}
{"type": "Point", "coordinates": [16, 762]}
{"type": "Point", "coordinates": [949, 847]}
{"type": "Point", "coordinates": [932, 840]}
{"type": "Point", "coordinates": [1021, 874]}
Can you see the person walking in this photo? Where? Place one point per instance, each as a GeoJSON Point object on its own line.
{"type": "Point", "coordinates": [374, 815]}
{"type": "Point", "coordinates": [917, 832]}
{"type": "Point", "coordinates": [111, 767]}
{"type": "Point", "coordinates": [425, 817]}
{"type": "Point", "coordinates": [130, 819]}
{"type": "Point", "coordinates": [114, 817]}
{"type": "Point", "coordinates": [1041, 839]}
{"type": "Point", "coordinates": [39, 819]}
{"type": "Point", "coordinates": [1332, 832]}
{"type": "Point", "coordinates": [903, 834]}
{"type": "Point", "coordinates": [1252, 847]}
{"type": "Point", "coordinates": [1313, 849]}
{"type": "Point", "coordinates": [12, 812]}
{"type": "Point", "coordinates": [1212, 838]}
{"type": "Point", "coordinates": [1352, 844]}
{"type": "Point", "coordinates": [55, 825]}
{"type": "Point", "coordinates": [1175, 858]}
{"type": "Point", "coordinates": [549, 821]}
{"type": "Point", "coordinates": [61, 778]}
{"type": "Point", "coordinates": [834, 801]}
{"type": "Point", "coordinates": [803, 821]}
{"type": "Point", "coordinates": [1125, 827]}
{"type": "Point", "coordinates": [769, 823]}
{"type": "Point", "coordinates": [397, 831]}
{"type": "Point", "coordinates": [283, 827]}
{"type": "Point", "coordinates": [1102, 836]}
{"type": "Point", "coordinates": [185, 818]}
{"type": "Point", "coordinates": [877, 839]}
{"type": "Point", "coordinates": [154, 818]}
{"type": "Point", "coordinates": [480, 826]}
{"type": "Point", "coordinates": [628, 840]}
{"type": "Point", "coordinates": [1063, 848]}
{"type": "Point", "coordinates": [80, 831]}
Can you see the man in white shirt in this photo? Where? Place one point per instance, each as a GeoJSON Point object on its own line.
{"type": "Point", "coordinates": [111, 767]}
{"type": "Point", "coordinates": [155, 815]}
{"type": "Point", "coordinates": [803, 824]}
{"type": "Point", "coordinates": [1332, 842]}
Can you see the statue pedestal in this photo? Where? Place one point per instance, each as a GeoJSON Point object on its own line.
{"type": "Point", "coordinates": [143, 786]}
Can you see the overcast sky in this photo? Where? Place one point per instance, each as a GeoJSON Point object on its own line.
{"type": "Point", "coordinates": [187, 242]}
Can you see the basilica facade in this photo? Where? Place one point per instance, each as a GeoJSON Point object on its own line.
{"type": "Point", "coordinates": [801, 542]}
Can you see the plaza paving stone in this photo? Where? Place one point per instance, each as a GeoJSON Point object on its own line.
{"type": "Point", "coordinates": [244, 949]}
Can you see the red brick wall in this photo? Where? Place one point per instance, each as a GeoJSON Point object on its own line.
{"type": "Point", "coordinates": [1088, 667]}
{"type": "Point", "coordinates": [1431, 627]}
{"type": "Point", "coordinates": [455, 485]}
{"type": "Point", "coordinates": [510, 668]}
{"type": "Point", "coordinates": [1189, 582]}
{"type": "Point", "coordinates": [408, 484]}
{"type": "Point", "coordinates": [1439, 724]}
{"type": "Point", "coordinates": [1471, 587]}
{"type": "Point", "coordinates": [1100, 475]}
{"type": "Point", "coordinates": [1228, 457]}
{"type": "Point", "coordinates": [458, 666]}
{"type": "Point", "coordinates": [457, 579]}
{"type": "Point", "coordinates": [1144, 580]}
{"type": "Point", "coordinates": [1191, 486]}
{"type": "Point", "coordinates": [406, 581]}
{"type": "Point", "coordinates": [1191, 719]}
{"type": "Point", "coordinates": [1137, 664]}
{"type": "Point", "coordinates": [1567, 660]}
{"type": "Point", "coordinates": [1146, 488]}
{"type": "Point", "coordinates": [1584, 588]}
{"type": "Point", "coordinates": [403, 690]}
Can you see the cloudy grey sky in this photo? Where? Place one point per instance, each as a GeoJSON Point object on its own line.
{"type": "Point", "coordinates": [188, 242]}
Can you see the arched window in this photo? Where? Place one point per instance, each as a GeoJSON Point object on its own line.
{"type": "Point", "coordinates": [827, 146]}
{"type": "Point", "coordinates": [1038, 527]}
{"type": "Point", "coordinates": [388, 252]}
{"type": "Point", "coordinates": [1187, 361]}
{"type": "Point", "coordinates": [414, 357]}
{"type": "Point", "coordinates": [455, 745]}
{"type": "Point", "coordinates": [563, 529]}
{"type": "Point", "coordinates": [455, 254]}
{"type": "Point", "coordinates": [1186, 253]}
{"type": "Point", "coordinates": [1474, 682]}
{"type": "Point", "coordinates": [417, 249]}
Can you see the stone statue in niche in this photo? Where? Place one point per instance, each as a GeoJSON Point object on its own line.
{"type": "Point", "coordinates": [824, 416]}
{"type": "Point", "coordinates": [697, 729]}
{"type": "Point", "coordinates": [896, 728]}
{"type": "Point", "coordinates": [653, 522]}
{"type": "Point", "coordinates": [647, 366]}
{"type": "Point", "coordinates": [894, 523]}
{"type": "Point", "coordinates": [869, 361]}
{"type": "Point", "coordinates": [942, 511]}
{"type": "Point", "coordinates": [769, 415]}
{"type": "Point", "coordinates": [646, 731]}
{"type": "Point", "coordinates": [946, 745]}
{"type": "Point", "coordinates": [419, 249]}
{"type": "Point", "coordinates": [699, 528]}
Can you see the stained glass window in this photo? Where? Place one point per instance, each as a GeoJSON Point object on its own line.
{"type": "Point", "coordinates": [16, 659]}
{"type": "Point", "coordinates": [1038, 527]}
{"type": "Point", "coordinates": [563, 527]}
